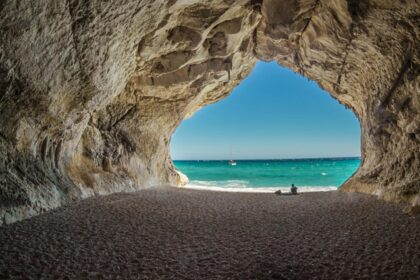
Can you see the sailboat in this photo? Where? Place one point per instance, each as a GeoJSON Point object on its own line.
{"type": "Point", "coordinates": [231, 162]}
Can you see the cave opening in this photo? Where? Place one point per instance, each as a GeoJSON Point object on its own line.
{"type": "Point", "coordinates": [276, 128]}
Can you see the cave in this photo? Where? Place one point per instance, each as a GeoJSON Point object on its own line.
{"type": "Point", "coordinates": [91, 91]}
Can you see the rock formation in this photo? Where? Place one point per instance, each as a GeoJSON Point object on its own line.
{"type": "Point", "coordinates": [91, 91]}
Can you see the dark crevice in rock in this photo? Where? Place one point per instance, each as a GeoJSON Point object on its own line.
{"type": "Point", "coordinates": [58, 153]}
{"type": "Point", "coordinates": [129, 112]}
{"type": "Point", "coordinates": [139, 7]}
{"type": "Point", "coordinates": [397, 82]}
{"type": "Point", "coordinates": [43, 149]}
{"type": "Point", "coordinates": [256, 5]}
{"type": "Point", "coordinates": [298, 61]}
{"type": "Point", "coordinates": [347, 49]}
{"type": "Point", "coordinates": [343, 64]}
{"type": "Point", "coordinates": [254, 42]}
{"type": "Point", "coordinates": [312, 10]}
{"type": "Point", "coordinates": [358, 9]}
{"type": "Point", "coordinates": [3, 137]}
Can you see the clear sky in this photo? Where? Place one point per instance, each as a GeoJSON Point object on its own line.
{"type": "Point", "coordinates": [272, 114]}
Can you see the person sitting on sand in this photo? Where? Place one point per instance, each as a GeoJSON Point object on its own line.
{"type": "Point", "coordinates": [293, 189]}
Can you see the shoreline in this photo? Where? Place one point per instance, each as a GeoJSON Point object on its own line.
{"type": "Point", "coordinates": [267, 190]}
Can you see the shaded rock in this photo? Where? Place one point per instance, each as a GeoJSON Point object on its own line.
{"type": "Point", "coordinates": [412, 210]}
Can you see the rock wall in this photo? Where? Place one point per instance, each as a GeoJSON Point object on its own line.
{"type": "Point", "coordinates": [91, 91]}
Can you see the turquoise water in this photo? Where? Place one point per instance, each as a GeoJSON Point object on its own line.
{"type": "Point", "coordinates": [269, 175]}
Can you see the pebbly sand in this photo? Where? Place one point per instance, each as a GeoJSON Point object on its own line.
{"type": "Point", "coordinates": [170, 233]}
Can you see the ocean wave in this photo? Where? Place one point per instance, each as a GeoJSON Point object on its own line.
{"type": "Point", "coordinates": [243, 186]}
{"type": "Point", "coordinates": [223, 183]}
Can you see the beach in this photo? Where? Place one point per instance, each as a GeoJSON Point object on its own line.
{"type": "Point", "coordinates": [175, 233]}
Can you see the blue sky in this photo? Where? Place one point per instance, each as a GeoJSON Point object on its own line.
{"type": "Point", "coordinates": [272, 114]}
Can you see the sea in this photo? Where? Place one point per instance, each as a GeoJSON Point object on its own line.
{"type": "Point", "coordinates": [309, 175]}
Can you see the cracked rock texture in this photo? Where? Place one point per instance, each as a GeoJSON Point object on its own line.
{"type": "Point", "coordinates": [91, 91]}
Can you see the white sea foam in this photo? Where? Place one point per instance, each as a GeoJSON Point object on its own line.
{"type": "Point", "coordinates": [243, 186]}
{"type": "Point", "coordinates": [225, 184]}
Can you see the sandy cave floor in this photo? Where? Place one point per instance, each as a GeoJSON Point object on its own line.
{"type": "Point", "coordinates": [170, 233]}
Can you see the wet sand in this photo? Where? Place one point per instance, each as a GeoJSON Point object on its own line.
{"type": "Point", "coordinates": [170, 233]}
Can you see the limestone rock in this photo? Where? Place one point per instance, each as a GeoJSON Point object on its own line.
{"type": "Point", "coordinates": [91, 91]}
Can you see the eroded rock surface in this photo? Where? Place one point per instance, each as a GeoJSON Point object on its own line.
{"type": "Point", "coordinates": [91, 91]}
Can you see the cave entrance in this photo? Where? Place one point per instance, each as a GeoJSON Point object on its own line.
{"type": "Point", "coordinates": [279, 127]}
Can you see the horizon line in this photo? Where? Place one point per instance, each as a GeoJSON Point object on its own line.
{"type": "Point", "coordinates": [302, 158]}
